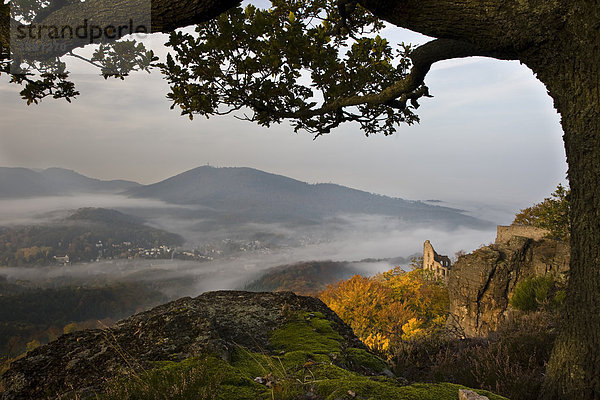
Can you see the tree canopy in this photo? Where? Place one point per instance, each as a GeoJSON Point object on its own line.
{"type": "Point", "coordinates": [306, 61]}
{"type": "Point", "coordinates": [317, 64]}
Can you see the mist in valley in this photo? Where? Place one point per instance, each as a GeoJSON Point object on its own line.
{"type": "Point", "coordinates": [379, 240]}
{"type": "Point", "coordinates": [130, 251]}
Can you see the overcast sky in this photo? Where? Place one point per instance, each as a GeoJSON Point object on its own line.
{"type": "Point", "coordinates": [490, 136]}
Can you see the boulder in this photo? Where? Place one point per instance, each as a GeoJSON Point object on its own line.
{"type": "Point", "coordinates": [464, 394]}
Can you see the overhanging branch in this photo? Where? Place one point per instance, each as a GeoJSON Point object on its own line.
{"type": "Point", "coordinates": [408, 89]}
{"type": "Point", "coordinates": [376, 112]}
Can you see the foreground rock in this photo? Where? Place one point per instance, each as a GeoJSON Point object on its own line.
{"type": "Point", "coordinates": [231, 345]}
{"type": "Point", "coordinates": [211, 323]}
{"type": "Point", "coordinates": [464, 394]}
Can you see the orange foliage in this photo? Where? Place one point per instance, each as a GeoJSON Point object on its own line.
{"type": "Point", "coordinates": [389, 307]}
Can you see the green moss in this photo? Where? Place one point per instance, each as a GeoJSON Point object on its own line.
{"type": "Point", "coordinates": [363, 359]}
{"type": "Point", "coordinates": [333, 372]}
{"type": "Point", "coordinates": [387, 389]}
{"type": "Point", "coordinates": [310, 332]}
{"type": "Point", "coordinates": [297, 359]}
{"type": "Point", "coordinates": [206, 377]}
{"type": "Point", "coordinates": [255, 364]}
{"type": "Point", "coordinates": [308, 357]}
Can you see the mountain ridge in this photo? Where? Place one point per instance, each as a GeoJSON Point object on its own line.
{"type": "Point", "coordinates": [234, 195]}
{"type": "Point", "coordinates": [19, 182]}
{"type": "Point", "coordinates": [248, 191]}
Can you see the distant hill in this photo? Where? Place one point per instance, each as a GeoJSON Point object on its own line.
{"type": "Point", "coordinates": [304, 278]}
{"type": "Point", "coordinates": [104, 216]}
{"type": "Point", "coordinates": [309, 278]}
{"type": "Point", "coordinates": [23, 182]}
{"type": "Point", "coordinates": [246, 194]}
{"type": "Point", "coordinates": [224, 198]}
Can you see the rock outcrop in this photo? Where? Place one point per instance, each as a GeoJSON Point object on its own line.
{"type": "Point", "coordinates": [464, 394]}
{"type": "Point", "coordinates": [214, 322]}
{"type": "Point", "coordinates": [481, 284]}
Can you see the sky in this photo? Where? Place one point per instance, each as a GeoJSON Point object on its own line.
{"type": "Point", "coordinates": [488, 140]}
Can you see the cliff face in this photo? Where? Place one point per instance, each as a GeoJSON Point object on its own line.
{"type": "Point", "coordinates": [480, 284]}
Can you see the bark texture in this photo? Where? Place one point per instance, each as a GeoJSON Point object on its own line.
{"type": "Point", "coordinates": [572, 76]}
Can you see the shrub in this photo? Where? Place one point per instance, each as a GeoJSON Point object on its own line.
{"type": "Point", "coordinates": [540, 292]}
{"type": "Point", "coordinates": [510, 362]}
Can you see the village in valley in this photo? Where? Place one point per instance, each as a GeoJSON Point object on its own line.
{"type": "Point", "coordinates": [207, 252]}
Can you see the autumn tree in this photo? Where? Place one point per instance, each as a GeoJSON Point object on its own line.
{"type": "Point", "coordinates": [558, 40]}
{"type": "Point", "coordinates": [389, 307]}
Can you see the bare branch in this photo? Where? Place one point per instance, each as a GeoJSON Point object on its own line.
{"type": "Point", "coordinates": [84, 59]}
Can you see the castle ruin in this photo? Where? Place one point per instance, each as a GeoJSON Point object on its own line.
{"type": "Point", "coordinates": [440, 265]}
{"type": "Point", "coordinates": [432, 261]}
{"type": "Point", "coordinates": [505, 233]}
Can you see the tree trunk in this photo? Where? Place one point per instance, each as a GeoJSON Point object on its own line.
{"type": "Point", "coordinates": [570, 68]}
{"type": "Point", "coordinates": [574, 370]}
{"type": "Point", "coordinates": [560, 42]}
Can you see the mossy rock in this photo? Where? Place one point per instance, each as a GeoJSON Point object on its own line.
{"type": "Point", "coordinates": [308, 331]}
{"type": "Point", "coordinates": [212, 323]}
{"type": "Point", "coordinates": [222, 345]}
{"type": "Point", "coordinates": [307, 360]}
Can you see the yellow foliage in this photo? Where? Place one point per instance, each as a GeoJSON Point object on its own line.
{"type": "Point", "coordinates": [378, 342]}
{"type": "Point", "coordinates": [413, 329]}
{"type": "Point", "coordinates": [389, 307]}
{"type": "Point", "coordinates": [358, 301]}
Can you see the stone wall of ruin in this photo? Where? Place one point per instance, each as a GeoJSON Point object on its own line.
{"type": "Point", "coordinates": [506, 232]}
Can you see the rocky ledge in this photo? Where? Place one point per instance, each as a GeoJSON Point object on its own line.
{"type": "Point", "coordinates": [220, 345]}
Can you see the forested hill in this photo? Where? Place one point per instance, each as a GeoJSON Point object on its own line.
{"type": "Point", "coordinates": [266, 197]}
{"type": "Point", "coordinates": [87, 234]}
{"type": "Point", "coordinates": [23, 182]}
{"type": "Point", "coordinates": [304, 278]}
{"type": "Point", "coordinates": [309, 278]}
